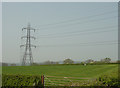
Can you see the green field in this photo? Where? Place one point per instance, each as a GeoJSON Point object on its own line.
{"type": "Point", "coordinates": [64, 73]}
{"type": "Point", "coordinates": [61, 70]}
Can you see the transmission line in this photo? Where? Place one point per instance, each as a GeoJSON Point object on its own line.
{"type": "Point", "coordinates": [80, 31]}
{"type": "Point", "coordinates": [70, 35]}
{"type": "Point", "coordinates": [79, 23]}
{"type": "Point", "coordinates": [114, 42]}
{"type": "Point", "coordinates": [78, 19]}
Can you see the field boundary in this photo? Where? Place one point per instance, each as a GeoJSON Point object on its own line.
{"type": "Point", "coordinates": [61, 80]}
{"type": "Point", "coordinates": [69, 77]}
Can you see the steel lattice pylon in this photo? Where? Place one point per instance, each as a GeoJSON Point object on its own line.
{"type": "Point", "coordinates": [27, 56]}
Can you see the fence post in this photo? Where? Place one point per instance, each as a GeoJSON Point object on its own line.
{"type": "Point", "coordinates": [42, 80]}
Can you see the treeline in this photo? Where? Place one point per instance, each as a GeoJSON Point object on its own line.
{"type": "Point", "coordinates": [87, 62]}
{"type": "Point", "coordinates": [71, 62]}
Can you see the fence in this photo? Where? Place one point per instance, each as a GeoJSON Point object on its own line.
{"type": "Point", "coordinates": [60, 81]}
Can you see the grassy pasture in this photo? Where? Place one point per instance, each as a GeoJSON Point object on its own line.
{"type": "Point", "coordinates": [64, 73]}
{"type": "Point", "coordinates": [89, 71]}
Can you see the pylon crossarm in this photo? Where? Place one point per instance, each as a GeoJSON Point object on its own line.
{"type": "Point", "coordinates": [21, 46]}
{"type": "Point", "coordinates": [32, 37]}
{"type": "Point", "coordinates": [33, 46]}
{"type": "Point", "coordinates": [28, 37]}
{"type": "Point", "coordinates": [23, 37]}
{"type": "Point", "coordinates": [32, 29]}
{"type": "Point", "coordinates": [28, 44]}
{"type": "Point", "coordinates": [23, 28]}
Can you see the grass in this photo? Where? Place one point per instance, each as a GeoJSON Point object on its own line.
{"type": "Point", "coordinates": [61, 71]}
{"type": "Point", "coordinates": [89, 71]}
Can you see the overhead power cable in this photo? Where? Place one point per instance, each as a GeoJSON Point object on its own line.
{"type": "Point", "coordinates": [74, 35]}
{"type": "Point", "coordinates": [114, 42]}
{"type": "Point", "coordinates": [82, 31]}
{"type": "Point", "coordinates": [78, 19]}
{"type": "Point", "coordinates": [79, 23]}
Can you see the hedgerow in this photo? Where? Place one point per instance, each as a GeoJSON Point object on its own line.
{"type": "Point", "coordinates": [20, 81]}
{"type": "Point", "coordinates": [110, 80]}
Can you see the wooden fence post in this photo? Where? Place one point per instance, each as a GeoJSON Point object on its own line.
{"type": "Point", "coordinates": [42, 80]}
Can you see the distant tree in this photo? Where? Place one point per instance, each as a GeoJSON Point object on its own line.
{"type": "Point", "coordinates": [89, 61]}
{"type": "Point", "coordinates": [57, 62]}
{"type": "Point", "coordinates": [82, 63]}
{"type": "Point", "coordinates": [13, 64]}
{"type": "Point", "coordinates": [47, 62]}
{"type": "Point", "coordinates": [4, 64]}
{"type": "Point", "coordinates": [50, 62]}
{"type": "Point", "coordinates": [35, 64]}
{"type": "Point", "coordinates": [106, 60]}
{"type": "Point", "coordinates": [68, 61]}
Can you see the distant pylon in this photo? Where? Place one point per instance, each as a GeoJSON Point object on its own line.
{"type": "Point", "coordinates": [27, 56]}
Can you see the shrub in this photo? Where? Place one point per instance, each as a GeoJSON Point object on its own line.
{"type": "Point", "coordinates": [20, 80]}
{"type": "Point", "coordinates": [109, 80]}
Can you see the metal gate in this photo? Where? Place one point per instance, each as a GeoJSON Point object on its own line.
{"type": "Point", "coordinates": [61, 81]}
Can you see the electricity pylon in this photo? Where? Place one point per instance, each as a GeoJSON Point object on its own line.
{"type": "Point", "coordinates": [27, 56]}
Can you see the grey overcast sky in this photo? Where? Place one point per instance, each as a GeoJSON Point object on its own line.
{"type": "Point", "coordinates": [76, 30]}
